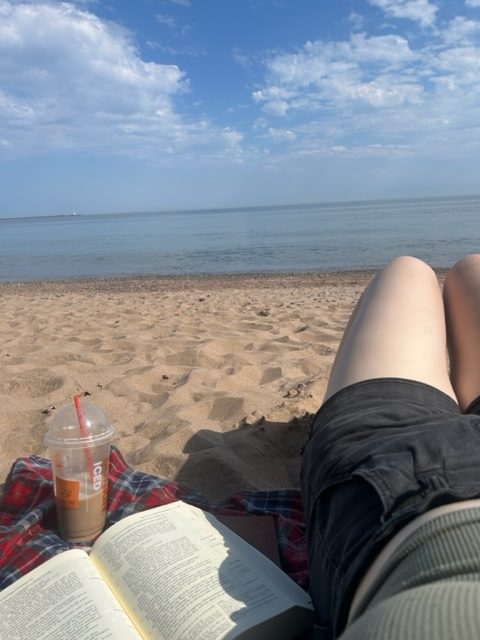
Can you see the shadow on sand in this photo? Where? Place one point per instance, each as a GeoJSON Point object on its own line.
{"type": "Point", "coordinates": [263, 456]}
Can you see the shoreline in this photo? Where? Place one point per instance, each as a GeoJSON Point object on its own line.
{"type": "Point", "coordinates": [174, 282]}
{"type": "Point", "coordinates": [163, 283]}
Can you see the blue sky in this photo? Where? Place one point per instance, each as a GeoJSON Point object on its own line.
{"type": "Point", "coordinates": [132, 105]}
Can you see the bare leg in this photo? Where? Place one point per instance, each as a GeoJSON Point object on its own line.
{"type": "Point", "coordinates": [462, 309]}
{"type": "Point", "coordinates": [397, 330]}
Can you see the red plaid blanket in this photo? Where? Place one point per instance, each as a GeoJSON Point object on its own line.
{"type": "Point", "coordinates": [28, 525]}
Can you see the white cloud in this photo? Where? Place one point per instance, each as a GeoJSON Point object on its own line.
{"type": "Point", "coordinates": [281, 135]}
{"type": "Point", "coordinates": [275, 99]}
{"type": "Point", "coordinates": [242, 59]}
{"type": "Point", "coordinates": [362, 69]}
{"type": "Point", "coordinates": [472, 3]}
{"type": "Point", "coordinates": [461, 30]}
{"type": "Point", "coordinates": [356, 20]}
{"type": "Point", "coordinates": [387, 91]}
{"type": "Point", "coordinates": [378, 89]}
{"type": "Point", "coordinates": [232, 137]}
{"type": "Point", "coordinates": [461, 65]}
{"type": "Point", "coordinates": [72, 81]}
{"type": "Point", "coordinates": [166, 20]}
{"type": "Point", "coordinates": [421, 11]}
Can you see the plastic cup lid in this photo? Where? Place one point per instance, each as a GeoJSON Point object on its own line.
{"type": "Point", "coordinates": [64, 429]}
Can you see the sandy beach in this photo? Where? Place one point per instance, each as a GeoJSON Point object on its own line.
{"type": "Point", "coordinates": [210, 381]}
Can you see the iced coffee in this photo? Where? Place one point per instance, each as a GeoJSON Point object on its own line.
{"type": "Point", "coordinates": [79, 442]}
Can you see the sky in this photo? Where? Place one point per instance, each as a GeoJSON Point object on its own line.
{"type": "Point", "coordinates": [147, 105]}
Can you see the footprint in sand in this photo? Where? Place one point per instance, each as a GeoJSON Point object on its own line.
{"type": "Point", "coordinates": [271, 374]}
{"type": "Point", "coordinates": [257, 326]}
{"type": "Point", "coordinates": [190, 358]}
{"type": "Point", "coordinates": [323, 350]}
{"type": "Point", "coordinates": [86, 342]}
{"type": "Point", "coordinates": [60, 359]}
{"type": "Point", "coordinates": [226, 408]}
{"type": "Point", "coordinates": [35, 383]}
{"type": "Point", "coordinates": [115, 357]}
{"type": "Point", "coordinates": [154, 400]}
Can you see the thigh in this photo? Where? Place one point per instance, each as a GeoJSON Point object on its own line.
{"type": "Point", "coordinates": [462, 310]}
{"type": "Point", "coordinates": [397, 330]}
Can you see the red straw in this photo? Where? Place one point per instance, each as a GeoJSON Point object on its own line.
{"type": "Point", "coordinates": [84, 432]}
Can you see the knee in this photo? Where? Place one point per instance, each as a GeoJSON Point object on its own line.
{"type": "Point", "coordinates": [411, 267]}
{"type": "Point", "coordinates": [466, 268]}
{"type": "Point", "coordinates": [467, 263]}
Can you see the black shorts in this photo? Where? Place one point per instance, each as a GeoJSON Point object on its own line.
{"type": "Point", "coordinates": [381, 453]}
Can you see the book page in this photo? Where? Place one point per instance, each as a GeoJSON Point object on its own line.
{"type": "Point", "coordinates": [181, 577]}
{"type": "Point", "coordinates": [62, 599]}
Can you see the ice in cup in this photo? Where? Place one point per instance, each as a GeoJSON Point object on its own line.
{"type": "Point", "coordinates": [79, 440]}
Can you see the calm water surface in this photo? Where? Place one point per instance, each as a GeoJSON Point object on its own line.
{"type": "Point", "coordinates": [329, 237]}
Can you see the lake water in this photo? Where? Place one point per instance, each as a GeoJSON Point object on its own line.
{"type": "Point", "coordinates": [331, 237]}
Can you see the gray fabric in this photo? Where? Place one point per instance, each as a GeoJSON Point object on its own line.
{"type": "Point", "coordinates": [429, 588]}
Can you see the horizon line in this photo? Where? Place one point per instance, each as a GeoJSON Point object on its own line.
{"type": "Point", "coordinates": [322, 203]}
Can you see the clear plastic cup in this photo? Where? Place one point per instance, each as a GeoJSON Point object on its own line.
{"type": "Point", "coordinates": [79, 449]}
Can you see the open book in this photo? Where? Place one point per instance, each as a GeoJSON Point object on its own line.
{"type": "Point", "coordinates": [172, 573]}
